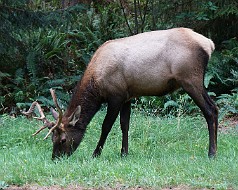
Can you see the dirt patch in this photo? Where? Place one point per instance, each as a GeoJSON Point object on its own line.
{"type": "Point", "coordinates": [229, 124]}
{"type": "Point", "coordinates": [182, 187]}
{"type": "Point", "coordinates": [35, 187]}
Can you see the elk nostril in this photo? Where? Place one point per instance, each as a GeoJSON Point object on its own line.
{"type": "Point", "coordinates": [63, 141]}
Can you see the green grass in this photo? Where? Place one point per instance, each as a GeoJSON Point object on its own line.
{"type": "Point", "coordinates": [163, 152]}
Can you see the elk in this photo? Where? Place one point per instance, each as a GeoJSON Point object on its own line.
{"type": "Point", "coordinates": [147, 64]}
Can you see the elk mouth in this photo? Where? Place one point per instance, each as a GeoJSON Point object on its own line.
{"type": "Point", "coordinates": [60, 155]}
{"type": "Point", "coordinates": [60, 151]}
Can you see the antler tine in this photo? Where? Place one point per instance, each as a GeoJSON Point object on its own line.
{"type": "Point", "coordinates": [39, 130]}
{"type": "Point", "coordinates": [60, 113]}
{"type": "Point", "coordinates": [31, 109]}
{"type": "Point", "coordinates": [56, 103]}
{"type": "Point", "coordinates": [42, 117]}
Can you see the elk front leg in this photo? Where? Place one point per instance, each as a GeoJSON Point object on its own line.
{"type": "Point", "coordinates": [114, 105]}
{"type": "Point", "coordinates": [125, 121]}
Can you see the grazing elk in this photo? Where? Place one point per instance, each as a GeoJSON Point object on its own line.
{"type": "Point", "coordinates": [148, 64]}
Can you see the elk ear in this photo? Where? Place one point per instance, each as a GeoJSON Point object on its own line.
{"type": "Point", "coordinates": [75, 116]}
{"type": "Point", "coordinates": [54, 113]}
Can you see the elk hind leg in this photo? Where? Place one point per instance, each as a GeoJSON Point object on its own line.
{"type": "Point", "coordinates": [209, 110]}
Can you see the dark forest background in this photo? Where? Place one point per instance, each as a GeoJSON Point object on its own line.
{"type": "Point", "coordinates": [47, 44]}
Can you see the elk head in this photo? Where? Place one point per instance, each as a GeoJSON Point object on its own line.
{"type": "Point", "coordinates": [65, 136]}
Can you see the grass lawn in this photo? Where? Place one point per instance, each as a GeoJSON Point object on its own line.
{"type": "Point", "coordinates": [163, 153]}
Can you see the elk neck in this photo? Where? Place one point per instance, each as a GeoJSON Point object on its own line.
{"type": "Point", "coordinates": [86, 94]}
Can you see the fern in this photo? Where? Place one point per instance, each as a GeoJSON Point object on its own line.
{"type": "Point", "coordinates": [19, 76]}
{"type": "Point", "coordinates": [207, 79]}
{"type": "Point", "coordinates": [3, 75]}
{"type": "Point", "coordinates": [55, 82]}
{"type": "Point", "coordinates": [228, 104]}
{"type": "Point", "coordinates": [32, 66]}
{"type": "Point", "coordinates": [170, 103]}
{"type": "Point", "coordinates": [235, 77]}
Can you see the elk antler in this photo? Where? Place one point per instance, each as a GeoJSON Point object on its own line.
{"type": "Point", "coordinates": [60, 113]}
{"type": "Point", "coordinates": [42, 117]}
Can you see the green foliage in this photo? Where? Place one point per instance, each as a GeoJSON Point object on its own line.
{"type": "Point", "coordinates": [172, 105]}
{"type": "Point", "coordinates": [228, 104]}
{"type": "Point", "coordinates": [222, 67]}
{"type": "Point", "coordinates": [52, 56]}
{"type": "Point", "coordinates": [44, 46]}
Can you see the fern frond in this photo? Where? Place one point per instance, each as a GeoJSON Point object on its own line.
{"type": "Point", "coordinates": [19, 76]}
{"type": "Point", "coordinates": [55, 82]}
{"type": "Point", "coordinates": [3, 75]}
{"type": "Point", "coordinates": [170, 103]}
{"type": "Point", "coordinates": [32, 66]}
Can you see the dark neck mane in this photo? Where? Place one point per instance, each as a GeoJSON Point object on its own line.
{"type": "Point", "coordinates": [87, 96]}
